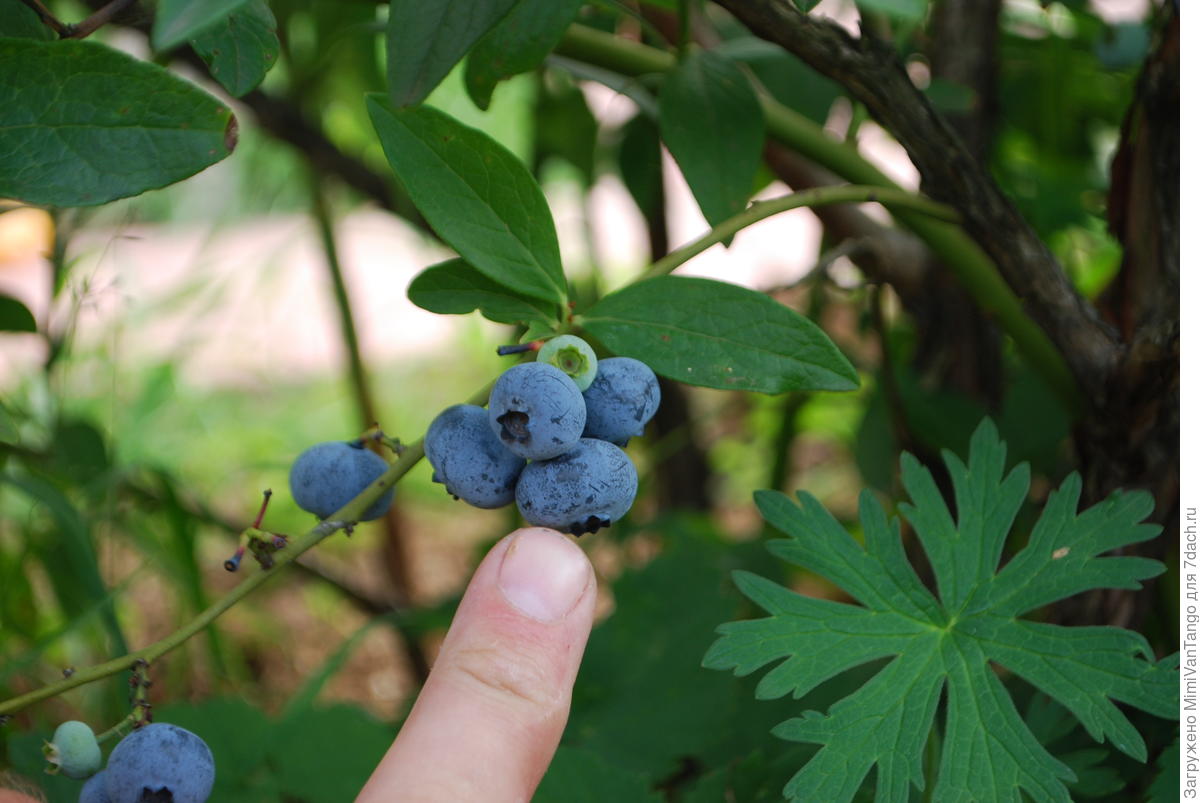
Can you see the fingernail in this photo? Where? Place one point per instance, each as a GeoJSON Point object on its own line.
{"type": "Point", "coordinates": [543, 574]}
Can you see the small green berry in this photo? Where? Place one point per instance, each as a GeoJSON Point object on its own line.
{"type": "Point", "coordinates": [73, 751]}
{"type": "Point", "coordinates": [573, 356]}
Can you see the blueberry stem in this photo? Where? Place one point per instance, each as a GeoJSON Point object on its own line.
{"type": "Point", "coordinates": [822, 196]}
{"type": "Point", "coordinates": [352, 511]}
{"type": "Point", "coordinates": [519, 348]}
{"type": "Point", "coordinates": [262, 510]}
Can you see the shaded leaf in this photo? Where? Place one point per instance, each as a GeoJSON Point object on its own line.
{"type": "Point", "coordinates": [455, 288]}
{"type": "Point", "coordinates": [425, 40]}
{"type": "Point", "coordinates": [566, 127]}
{"type": "Point", "coordinates": [950, 642]}
{"type": "Point", "coordinates": [79, 451]}
{"type": "Point", "coordinates": [476, 195]}
{"type": "Point", "coordinates": [15, 316]}
{"type": "Point", "coordinates": [240, 50]}
{"type": "Point", "coordinates": [642, 714]}
{"type": "Point", "coordinates": [69, 557]}
{"type": "Point", "coordinates": [1165, 788]}
{"type": "Point", "coordinates": [912, 10]}
{"type": "Point", "coordinates": [18, 19]}
{"type": "Point", "coordinates": [713, 125]}
{"type": "Point", "coordinates": [83, 124]}
{"type": "Point", "coordinates": [176, 21]}
{"type": "Point", "coordinates": [576, 776]}
{"type": "Point", "coordinates": [519, 43]}
{"type": "Point", "coordinates": [718, 335]}
{"type": "Point", "coordinates": [328, 753]}
{"type": "Point", "coordinates": [788, 79]}
{"type": "Point", "coordinates": [639, 158]}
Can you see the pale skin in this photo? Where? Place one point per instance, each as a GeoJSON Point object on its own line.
{"type": "Point", "coordinates": [491, 714]}
{"type": "Point", "coordinates": [489, 719]}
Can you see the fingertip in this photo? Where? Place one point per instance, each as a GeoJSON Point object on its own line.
{"type": "Point", "coordinates": [544, 574]}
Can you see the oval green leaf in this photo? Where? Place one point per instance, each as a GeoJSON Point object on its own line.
{"type": "Point", "coordinates": [241, 49]}
{"type": "Point", "coordinates": [425, 40]}
{"type": "Point", "coordinates": [519, 43]}
{"type": "Point", "coordinates": [18, 19]}
{"type": "Point", "coordinates": [476, 195]}
{"type": "Point", "coordinates": [713, 125]}
{"type": "Point", "coordinates": [455, 288]}
{"type": "Point", "coordinates": [83, 124]}
{"type": "Point", "coordinates": [718, 335]}
{"type": "Point", "coordinates": [15, 316]}
{"type": "Point", "coordinates": [176, 21]}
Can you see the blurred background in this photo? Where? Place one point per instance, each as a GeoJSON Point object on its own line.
{"type": "Point", "coordinates": [190, 343]}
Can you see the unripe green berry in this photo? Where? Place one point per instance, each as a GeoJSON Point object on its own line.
{"type": "Point", "coordinates": [73, 751]}
{"type": "Point", "coordinates": [571, 355]}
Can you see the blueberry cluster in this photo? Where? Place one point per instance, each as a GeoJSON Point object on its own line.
{"type": "Point", "coordinates": [567, 415]}
{"type": "Point", "coordinates": [155, 762]}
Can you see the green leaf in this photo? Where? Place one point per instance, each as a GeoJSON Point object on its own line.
{"type": "Point", "coordinates": [519, 43]}
{"type": "Point", "coordinates": [79, 451]}
{"type": "Point", "coordinates": [476, 195]}
{"type": "Point", "coordinates": [176, 21]}
{"type": "Point", "coordinates": [425, 40]}
{"type": "Point", "coordinates": [328, 753]}
{"type": "Point", "coordinates": [240, 50]}
{"type": "Point", "coordinates": [18, 19]}
{"type": "Point", "coordinates": [639, 158]}
{"type": "Point", "coordinates": [952, 641]}
{"type": "Point", "coordinates": [911, 10]}
{"type": "Point", "coordinates": [83, 124]}
{"type": "Point", "coordinates": [455, 288]}
{"type": "Point", "coordinates": [68, 556]}
{"type": "Point", "coordinates": [788, 79]}
{"type": "Point", "coordinates": [641, 713]}
{"type": "Point", "coordinates": [713, 125]}
{"type": "Point", "coordinates": [1165, 788]}
{"type": "Point", "coordinates": [566, 127]}
{"type": "Point", "coordinates": [576, 776]}
{"type": "Point", "coordinates": [718, 335]}
{"type": "Point", "coordinates": [15, 316]}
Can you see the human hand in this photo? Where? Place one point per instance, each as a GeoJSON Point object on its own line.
{"type": "Point", "coordinates": [490, 716]}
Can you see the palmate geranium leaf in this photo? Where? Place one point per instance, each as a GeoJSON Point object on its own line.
{"type": "Point", "coordinates": [950, 641]}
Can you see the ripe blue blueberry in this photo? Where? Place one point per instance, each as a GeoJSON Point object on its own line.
{"type": "Point", "coordinates": [623, 397]}
{"type": "Point", "coordinates": [94, 790]}
{"type": "Point", "coordinates": [327, 476]}
{"type": "Point", "coordinates": [469, 459]}
{"type": "Point", "coordinates": [73, 751]}
{"type": "Point", "coordinates": [573, 356]}
{"type": "Point", "coordinates": [536, 411]}
{"type": "Point", "coordinates": [579, 492]}
{"type": "Point", "coordinates": [159, 759]}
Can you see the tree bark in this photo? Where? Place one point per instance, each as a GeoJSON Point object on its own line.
{"type": "Point", "coordinates": [871, 72]}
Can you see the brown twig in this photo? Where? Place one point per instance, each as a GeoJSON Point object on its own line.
{"type": "Point", "coordinates": [79, 30]}
{"type": "Point", "coordinates": [870, 71]}
{"type": "Point", "coordinates": [49, 20]}
{"type": "Point", "coordinates": [96, 20]}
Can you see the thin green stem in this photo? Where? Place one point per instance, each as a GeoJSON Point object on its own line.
{"type": "Point", "coordinates": [822, 196]}
{"type": "Point", "coordinates": [685, 27]}
{"type": "Point", "coordinates": [961, 254]}
{"type": "Point", "coordinates": [354, 360]}
{"type": "Point", "coordinates": [116, 730]}
{"type": "Point", "coordinates": [351, 512]}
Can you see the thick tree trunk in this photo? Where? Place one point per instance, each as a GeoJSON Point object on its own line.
{"type": "Point", "coordinates": [1133, 441]}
